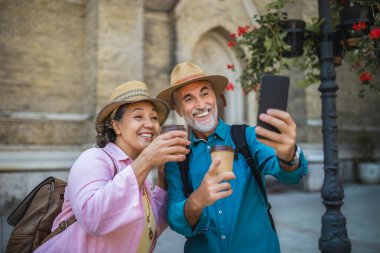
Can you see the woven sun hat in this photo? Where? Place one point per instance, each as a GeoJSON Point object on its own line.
{"type": "Point", "coordinates": [128, 93]}
{"type": "Point", "coordinates": [186, 73]}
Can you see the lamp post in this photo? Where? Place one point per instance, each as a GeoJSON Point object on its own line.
{"type": "Point", "coordinates": [334, 233]}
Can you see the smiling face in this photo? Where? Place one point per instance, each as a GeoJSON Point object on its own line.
{"type": "Point", "coordinates": [137, 128]}
{"type": "Point", "coordinates": [196, 102]}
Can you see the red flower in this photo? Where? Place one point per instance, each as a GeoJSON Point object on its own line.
{"type": "Point", "coordinates": [356, 27]}
{"type": "Point", "coordinates": [375, 33]}
{"type": "Point", "coordinates": [231, 66]}
{"type": "Point", "coordinates": [365, 77]}
{"type": "Point", "coordinates": [359, 26]}
{"type": "Point", "coordinates": [242, 30]}
{"type": "Point", "coordinates": [233, 35]}
{"type": "Point", "coordinates": [231, 44]}
{"type": "Point", "coordinates": [230, 87]}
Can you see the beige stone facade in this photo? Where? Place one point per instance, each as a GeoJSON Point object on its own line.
{"type": "Point", "coordinates": [59, 60]}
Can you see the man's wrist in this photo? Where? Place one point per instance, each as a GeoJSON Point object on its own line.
{"type": "Point", "coordinates": [295, 159]}
{"type": "Point", "coordinates": [192, 211]}
{"type": "Point", "coordinates": [193, 203]}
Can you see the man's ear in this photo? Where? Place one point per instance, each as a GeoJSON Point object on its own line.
{"type": "Point", "coordinates": [221, 101]}
{"type": "Point", "coordinates": [176, 108]}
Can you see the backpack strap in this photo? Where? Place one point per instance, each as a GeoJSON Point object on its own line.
{"type": "Point", "coordinates": [62, 226]}
{"type": "Point", "coordinates": [66, 223]}
{"type": "Point", "coordinates": [184, 168]}
{"type": "Point", "coordinates": [114, 164]}
{"type": "Point", "coordinates": [239, 138]}
{"type": "Point", "coordinates": [238, 135]}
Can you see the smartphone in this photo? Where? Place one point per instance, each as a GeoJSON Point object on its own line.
{"type": "Point", "coordinates": [274, 91]}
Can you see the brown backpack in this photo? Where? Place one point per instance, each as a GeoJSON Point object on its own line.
{"type": "Point", "coordinates": [33, 218]}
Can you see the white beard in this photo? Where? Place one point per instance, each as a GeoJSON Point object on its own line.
{"type": "Point", "coordinates": [202, 127]}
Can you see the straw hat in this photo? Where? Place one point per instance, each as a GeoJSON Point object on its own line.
{"type": "Point", "coordinates": [128, 93]}
{"type": "Point", "coordinates": [187, 72]}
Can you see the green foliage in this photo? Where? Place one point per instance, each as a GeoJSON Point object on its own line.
{"type": "Point", "coordinates": [365, 59]}
{"type": "Point", "coordinates": [262, 47]}
{"type": "Point", "coordinates": [374, 3]}
{"type": "Point", "coordinates": [309, 61]}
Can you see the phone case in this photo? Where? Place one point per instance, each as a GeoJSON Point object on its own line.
{"type": "Point", "coordinates": [273, 94]}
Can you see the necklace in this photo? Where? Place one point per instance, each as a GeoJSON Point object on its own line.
{"type": "Point", "coordinates": [148, 215]}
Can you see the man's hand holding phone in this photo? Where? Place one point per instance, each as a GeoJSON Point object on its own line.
{"type": "Point", "coordinates": [283, 142]}
{"type": "Point", "coordinates": [275, 126]}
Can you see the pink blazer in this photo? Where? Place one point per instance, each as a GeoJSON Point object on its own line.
{"type": "Point", "coordinates": [109, 210]}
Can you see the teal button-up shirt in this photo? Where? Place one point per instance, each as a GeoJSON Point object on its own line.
{"type": "Point", "coordinates": [238, 223]}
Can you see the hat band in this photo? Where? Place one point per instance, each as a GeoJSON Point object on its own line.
{"type": "Point", "coordinates": [188, 78]}
{"type": "Point", "coordinates": [131, 94]}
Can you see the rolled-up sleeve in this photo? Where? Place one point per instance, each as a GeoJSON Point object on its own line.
{"type": "Point", "coordinates": [102, 204]}
{"type": "Point", "coordinates": [294, 176]}
{"type": "Point", "coordinates": [267, 162]}
{"type": "Point", "coordinates": [176, 205]}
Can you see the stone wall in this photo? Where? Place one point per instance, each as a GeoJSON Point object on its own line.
{"type": "Point", "coordinates": [157, 50]}
{"type": "Point", "coordinates": [41, 44]}
{"type": "Point", "coordinates": [119, 41]}
{"type": "Point", "coordinates": [191, 25]}
{"type": "Point", "coordinates": [59, 62]}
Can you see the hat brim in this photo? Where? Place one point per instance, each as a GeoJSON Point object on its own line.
{"type": "Point", "coordinates": [160, 106]}
{"type": "Point", "coordinates": [218, 83]}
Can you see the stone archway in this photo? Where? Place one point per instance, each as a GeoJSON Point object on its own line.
{"type": "Point", "coordinates": [213, 55]}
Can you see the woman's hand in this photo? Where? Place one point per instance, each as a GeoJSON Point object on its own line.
{"type": "Point", "coordinates": [167, 147]}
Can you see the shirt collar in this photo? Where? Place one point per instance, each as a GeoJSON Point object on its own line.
{"type": "Point", "coordinates": [220, 131]}
{"type": "Point", "coordinates": [116, 152]}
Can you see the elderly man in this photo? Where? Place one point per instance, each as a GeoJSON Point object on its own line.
{"type": "Point", "coordinates": [225, 212]}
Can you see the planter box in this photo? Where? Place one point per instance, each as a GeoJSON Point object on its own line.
{"type": "Point", "coordinates": [295, 30]}
{"type": "Point", "coordinates": [349, 16]}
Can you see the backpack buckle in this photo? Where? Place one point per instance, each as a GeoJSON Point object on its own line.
{"type": "Point", "coordinates": [236, 152]}
{"type": "Point", "coordinates": [63, 225]}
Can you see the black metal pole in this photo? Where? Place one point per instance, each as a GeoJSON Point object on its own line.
{"type": "Point", "coordinates": [334, 233]}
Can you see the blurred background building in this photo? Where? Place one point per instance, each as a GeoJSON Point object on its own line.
{"type": "Point", "coordinates": [60, 59]}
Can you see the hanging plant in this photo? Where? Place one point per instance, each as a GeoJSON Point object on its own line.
{"type": "Point", "coordinates": [261, 48]}
{"type": "Point", "coordinates": [264, 48]}
{"type": "Point", "coordinates": [365, 58]}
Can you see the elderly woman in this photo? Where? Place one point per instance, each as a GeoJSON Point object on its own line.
{"type": "Point", "coordinates": [108, 196]}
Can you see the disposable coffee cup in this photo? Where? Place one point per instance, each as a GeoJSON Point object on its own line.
{"type": "Point", "coordinates": [169, 128]}
{"type": "Point", "coordinates": [226, 156]}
